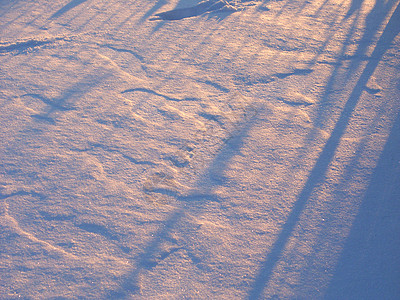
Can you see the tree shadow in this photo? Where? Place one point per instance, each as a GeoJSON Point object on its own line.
{"type": "Point", "coordinates": [320, 168]}
{"type": "Point", "coordinates": [151, 11]}
{"type": "Point", "coordinates": [373, 21]}
{"type": "Point", "coordinates": [193, 11]}
{"type": "Point", "coordinates": [339, 77]}
{"type": "Point", "coordinates": [65, 102]}
{"type": "Point", "coordinates": [131, 283]}
{"type": "Point", "coordinates": [6, 6]}
{"type": "Point", "coordinates": [342, 202]}
{"type": "Point", "coordinates": [369, 267]}
{"type": "Point", "coordinates": [201, 195]}
{"type": "Point", "coordinates": [354, 6]}
{"type": "Point", "coordinates": [66, 8]}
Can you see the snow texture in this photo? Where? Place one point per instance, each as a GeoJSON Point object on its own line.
{"type": "Point", "coordinates": [184, 149]}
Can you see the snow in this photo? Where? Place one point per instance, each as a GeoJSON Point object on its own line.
{"type": "Point", "coordinates": [199, 149]}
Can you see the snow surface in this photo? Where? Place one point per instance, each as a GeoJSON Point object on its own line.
{"type": "Point", "coordinates": [182, 149]}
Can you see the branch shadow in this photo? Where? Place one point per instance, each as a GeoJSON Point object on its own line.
{"type": "Point", "coordinates": [321, 166]}
{"type": "Point", "coordinates": [202, 194]}
{"type": "Point", "coordinates": [65, 102]}
{"type": "Point", "coordinates": [341, 74]}
{"type": "Point", "coordinates": [131, 282]}
{"type": "Point", "coordinates": [374, 21]}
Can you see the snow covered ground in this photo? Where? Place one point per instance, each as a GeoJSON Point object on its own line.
{"type": "Point", "coordinates": [183, 149]}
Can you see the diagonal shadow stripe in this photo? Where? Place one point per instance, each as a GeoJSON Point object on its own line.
{"type": "Point", "coordinates": [369, 265]}
{"type": "Point", "coordinates": [130, 284]}
{"type": "Point", "coordinates": [318, 172]}
{"type": "Point", "coordinates": [66, 8]}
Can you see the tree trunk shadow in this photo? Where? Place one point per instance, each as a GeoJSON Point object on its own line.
{"type": "Point", "coordinates": [66, 8]}
{"type": "Point", "coordinates": [318, 172]}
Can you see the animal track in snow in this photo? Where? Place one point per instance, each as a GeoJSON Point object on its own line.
{"type": "Point", "coordinates": [180, 159]}
{"type": "Point", "coordinates": [163, 182]}
{"type": "Point", "coordinates": [372, 87]}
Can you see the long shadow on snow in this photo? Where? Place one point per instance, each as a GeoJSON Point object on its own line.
{"type": "Point", "coordinates": [151, 11]}
{"type": "Point", "coordinates": [355, 6]}
{"type": "Point", "coordinates": [65, 101]}
{"type": "Point", "coordinates": [369, 267]}
{"type": "Point", "coordinates": [294, 3]}
{"type": "Point", "coordinates": [66, 8]}
{"type": "Point", "coordinates": [318, 172]}
{"type": "Point", "coordinates": [11, 5]}
{"type": "Point", "coordinates": [335, 82]}
{"type": "Point", "coordinates": [197, 10]}
{"type": "Point", "coordinates": [130, 284]}
{"type": "Point", "coordinates": [373, 22]}
{"type": "Point", "coordinates": [340, 76]}
{"type": "Point", "coordinates": [213, 177]}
